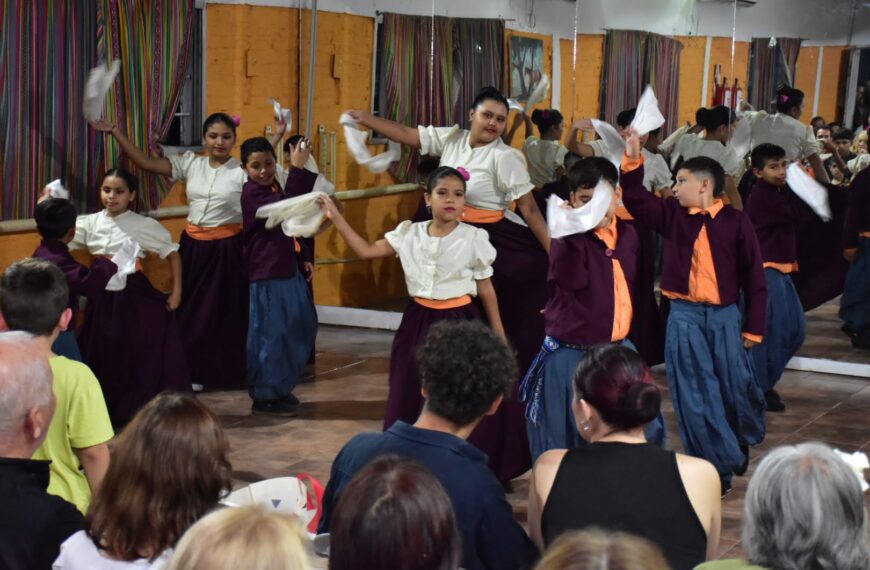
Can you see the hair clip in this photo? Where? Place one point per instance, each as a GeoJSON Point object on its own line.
{"type": "Point", "coordinates": [237, 120]}
{"type": "Point", "coordinates": [465, 174]}
{"type": "Point", "coordinates": [783, 98]}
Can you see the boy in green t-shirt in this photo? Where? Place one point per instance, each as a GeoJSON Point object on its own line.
{"type": "Point", "coordinates": [34, 298]}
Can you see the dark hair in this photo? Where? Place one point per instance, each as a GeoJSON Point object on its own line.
{"type": "Point", "coordinates": [787, 98]}
{"type": "Point", "coordinates": [546, 119]}
{"type": "Point", "coordinates": [440, 174]}
{"type": "Point", "coordinates": [55, 217]}
{"type": "Point", "coordinates": [624, 118]}
{"type": "Point", "coordinates": [131, 181]}
{"type": "Point", "coordinates": [215, 118]}
{"type": "Point", "coordinates": [464, 366]}
{"type": "Point", "coordinates": [617, 382]}
{"type": "Point", "coordinates": [589, 171]}
{"type": "Point", "coordinates": [714, 117]}
{"type": "Point", "coordinates": [33, 296]}
{"type": "Point", "coordinates": [765, 152]}
{"type": "Point", "coordinates": [394, 514]}
{"type": "Point", "coordinates": [489, 93]}
{"type": "Point", "coordinates": [570, 159]}
{"type": "Point", "coordinates": [709, 167]}
{"type": "Point", "coordinates": [291, 142]}
{"type": "Point", "coordinates": [169, 468]}
{"type": "Point", "coordinates": [256, 144]}
{"type": "Point", "coordinates": [818, 118]}
{"type": "Point", "coordinates": [842, 134]}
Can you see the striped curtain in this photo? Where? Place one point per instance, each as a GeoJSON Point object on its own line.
{"type": "Point", "coordinates": [631, 61]}
{"type": "Point", "coordinates": [152, 40]}
{"type": "Point", "coordinates": [436, 87]}
{"type": "Point", "coordinates": [770, 68]}
{"type": "Point", "coordinates": [46, 50]}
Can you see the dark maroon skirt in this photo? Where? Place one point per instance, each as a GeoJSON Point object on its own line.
{"type": "Point", "coordinates": [647, 331]}
{"type": "Point", "coordinates": [405, 401]}
{"type": "Point", "coordinates": [213, 316]}
{"type": "Point", "coordinates": [132, 344]}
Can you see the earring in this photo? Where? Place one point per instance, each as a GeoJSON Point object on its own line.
{"type": "Point", "coordinates": [586, 426]}
{"type": "Point", "coordinates": [428, 208]}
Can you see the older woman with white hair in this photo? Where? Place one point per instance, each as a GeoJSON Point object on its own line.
{"type": "Point", "coordinates": [804, 510]}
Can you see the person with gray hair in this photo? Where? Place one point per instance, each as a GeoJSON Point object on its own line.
{"type": "Point", "coordinates": [33, 523]}
{"type": "Point", "coordinates": [804, 509]}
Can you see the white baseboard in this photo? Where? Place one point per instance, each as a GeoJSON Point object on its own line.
{"type": "Point", "coordinates": [363, 318]}
{"type": "Point", "coordinates": [825, 366]}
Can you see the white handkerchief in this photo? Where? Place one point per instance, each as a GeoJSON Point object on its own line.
{"type": "Point", "coordinates": [742, 138]}
{"type": "Point", "coordinates": [807, 189]}
{"type": "Point", "coordinates": [612, 140]}
{"type": "Point", "coordinates": [568, 221]}
{"type": "Point", "coordinates": [648, 117]}
{"type": "Point", "coordinates": [299, 216]}
{"type": "Point", "coordinates": [858, 463]}
{"type": "Point", "coordinates": [282, 114]}
{"type": "Point", "coordinates": [514, 105]}
{"type": "Point", "coordinates": [356, 144]}
{"type": "Point", "coordinates": [540, 91]}
{"type": "Point", "coordinates": [99, 82]}
{"type": "Point", "coordinates": [321, 184]}
{"type": "Point", "coordinates": [125, 259]}
{"type": "Point", "coordinates": [56, 190]}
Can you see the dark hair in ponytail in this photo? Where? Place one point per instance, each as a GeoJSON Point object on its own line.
{"type": "Point", "coordinates": [618, 384]}
{"type": "Point", "coordinates": [787, 98]}
{"type": "Point", "coordinates": [489, 93]}
{"type": "Point", "coordinates": [715, 117]}
{"type": "Point", "coordinates": [546, 119]}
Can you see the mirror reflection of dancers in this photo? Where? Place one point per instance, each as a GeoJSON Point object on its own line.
{"type": "Point", "coordinates": [497, 177]}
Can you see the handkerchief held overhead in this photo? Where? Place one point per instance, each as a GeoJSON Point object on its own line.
{"type": "Point", "coordinates": [56, 189]}
{"type": "Point", "coordinates": [356, 144]}
{"type": "Point", "coordinates": [648, 117]}
{"type": "Point", "coordinates": [299, 216]}
{"type": "Point", "coordinates": [613, 141]}
{"type": "Point", "coordinates": [282, 114]}
{"type": "Point", "coordinates": [125, 259]}
{"type": "Point", "coordinates": [807, 189]}
{"type": "Point", "coordinates": [535, 97]}
{"type": "Point", "coordinates": [99, 82]}
{"type": "Point", "coordinates": [564, 221]}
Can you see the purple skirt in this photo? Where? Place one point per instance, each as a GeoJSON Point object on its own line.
{"type": "Point", "coordinates": [213, 315]}
{"type": "Point", "coordinates": [131, 342]}
{"type": "Point", "coordinates": [405, 401]}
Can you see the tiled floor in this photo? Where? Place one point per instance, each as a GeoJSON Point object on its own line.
{"type": "Point", "coordinates": [826, 340]}
{"type": "Point", "coordinates": [349, 392]}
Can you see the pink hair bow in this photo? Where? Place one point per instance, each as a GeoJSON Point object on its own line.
{"type": "Point", "coordinates": [465, 174]}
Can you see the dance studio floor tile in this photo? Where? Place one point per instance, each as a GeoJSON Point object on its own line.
{"type": "Point", "coordinates": [348, 394]}
{"type": "Point", "coordinates": [826, 340]}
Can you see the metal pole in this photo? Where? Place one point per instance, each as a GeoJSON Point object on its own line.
{"type": "Point", "coordinates": [311, 60]}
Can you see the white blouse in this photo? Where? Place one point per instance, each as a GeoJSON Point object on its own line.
{"type": "Point", "coordinates": [442, 268]}
{"type": "Point", "coordinates": [691, 145]}
{"type": "Point", "coordinates": [498, 171]}
{"type": "Point", "coordinates": [543, 157]}
{"type": "Point", "coordinates": [214, 195]}
{"type": "Point", "coordinates": [102, 234]}
{"type": "Point", "coordinates": [656, 173]}
{"type": "Point", "coordinates": [784, 130]}
{"type": "Point", "coordinates": [79, 552]}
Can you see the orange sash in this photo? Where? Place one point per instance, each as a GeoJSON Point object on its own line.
{"type": "Point", "coordinates": [210, 234]}
{"type": "Point", "coordinates": [864, 234]}
{"type": "Point", "coordinates": [481, 216]}
{"type": "Point", "coordinates": [454, 303]}
{"type": "Point", "coordinates": [782, 267]}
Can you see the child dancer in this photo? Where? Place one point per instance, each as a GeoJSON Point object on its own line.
{"type": "Point", "coordinates": [282, 322]}
{"type": "Point", "coordinates": [446, 263]}
{"type": "Point", "coordinates": [855, 303]}
{"type": "Point", "coordinates": [130, 338]}
{"type": "Point", "coordinates": [775, 212]}
{"type": "Point", "coordinates": [589, 285]}
{"type": "Point", "coordinates": [56, 224]}
{"type": "Point", "coordinates": [545, 154]}
{"type": "Point", "coordinates": [711, 254]}
{"type": "Point", "coordinates": [214, 317]}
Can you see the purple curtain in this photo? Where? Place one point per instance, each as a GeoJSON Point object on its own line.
{"type": "Point", "coordinates": [769, 68]}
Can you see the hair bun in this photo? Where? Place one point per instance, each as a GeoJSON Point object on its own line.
{"type": "Point", "coordinates": [641, 402]}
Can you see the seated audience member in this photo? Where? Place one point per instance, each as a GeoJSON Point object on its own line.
{"type": "Point", "coordinates": [804, 509]}
{"type": "Point", "coordinates": [861, 159]}
{"type": "Point", "coordinates": [466, 371]}
{"type": "Point", "coordinates": [835, 166]}
{"type": "Point", "coordinates": [169, 468]}
{"type": "Point", "coordinates": [595, 549]}
{"type": "Point", "coordinates": [34, 298]}
{"type": "Point", "coordinates": [394, 514]}
{"type": "Point", "coordinates": [620, 482]}
{"type": "Point", "coordinates": [33, 523]}
{"type": "Point", "coordinates": [249, 538]}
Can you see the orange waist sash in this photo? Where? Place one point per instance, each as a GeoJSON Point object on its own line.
{"type": "Point", "coordinates": [209, 234]}
{"type": "Point", "coordinates": [454, 303]}
{"type": "Point", "coordinates": [865, 234]}
{"type": "Point", "coordinates": [481, 216]}
{"type": "Point", "coordinates": [782, 267]}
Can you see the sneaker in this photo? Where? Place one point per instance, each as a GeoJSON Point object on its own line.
{"type": "Point", "coordinates": [861, 339]}
{"type": "Point", "coordinates": [726, 486]}
{"type": "Point", "coordinates": [280, 407]}
{"type": "Point", "coordinates": [745, 465]}
{"type": "Point", "coordinates": [292, 399]}
{"type": "Point", "coordinates": [773, 401]}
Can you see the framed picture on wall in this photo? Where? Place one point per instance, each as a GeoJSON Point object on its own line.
{"type": "Point", "coordinates": [527, 66]}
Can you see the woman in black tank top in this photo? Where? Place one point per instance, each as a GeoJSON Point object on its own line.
{"type": "Point", "coordinates": [619, 482]}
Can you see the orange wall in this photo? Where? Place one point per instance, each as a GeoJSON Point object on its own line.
{"type": "Point", "coordinates": [581, 96]}
{"type": "Point", "coordinates": [833, 77]}
{"type": "Point", "coordinates": [691, 77]}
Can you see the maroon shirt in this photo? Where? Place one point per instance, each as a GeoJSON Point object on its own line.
{"type": "Point", "coordinates": [269, 254]}
{"type": "Point", "coordinates": [580, 284]}
{"type": "Point", "coordinates": [82, 281]}
{"type": "Point", "coordinates": [734, 246]}
{"type": "Point", "coordinates": [858, 210]}
{"type": "Point", "coordinates": [775, 212]}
